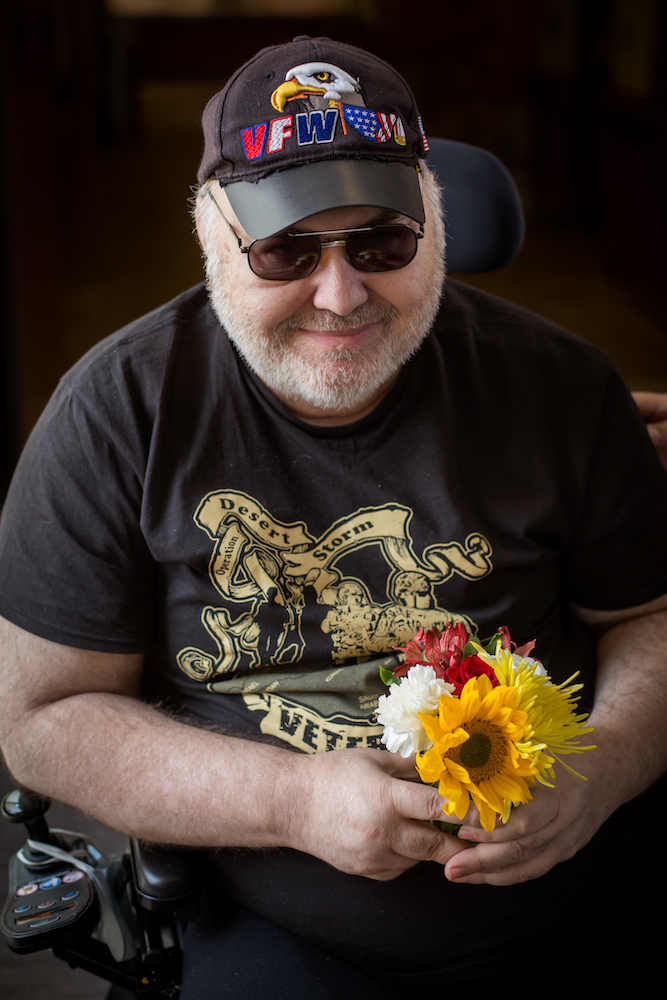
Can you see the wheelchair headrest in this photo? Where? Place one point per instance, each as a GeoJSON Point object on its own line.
{"type": "Point", "coordinates": [483, 215]}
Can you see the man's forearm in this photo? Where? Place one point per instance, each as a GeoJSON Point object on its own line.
{"type": "Point", "coordinates": [72, 726]}
{"type": "Point", "coordinates": [631, 705]}
{"type": "Point", "coordinates": [145, 773]}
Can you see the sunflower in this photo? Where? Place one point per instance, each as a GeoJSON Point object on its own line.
{"type": "Point", "coordinates": [475, 753]}
{"type": "Point", "coordinates": [553, 724]}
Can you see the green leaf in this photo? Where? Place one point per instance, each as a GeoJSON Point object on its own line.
{"type": "Point", "coordinates": [490, 644]}
{"type": "Point", "coordinates": [388, 677]}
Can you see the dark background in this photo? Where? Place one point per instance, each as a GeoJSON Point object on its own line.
{"type": "Point", "coordinates": [100, 142]}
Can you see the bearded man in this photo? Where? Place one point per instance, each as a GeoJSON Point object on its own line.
{"type": "Point", "coordinates": [209, 483]}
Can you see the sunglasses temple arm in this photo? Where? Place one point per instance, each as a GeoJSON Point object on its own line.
{"type": "Point", "coordinates": [229, 225]}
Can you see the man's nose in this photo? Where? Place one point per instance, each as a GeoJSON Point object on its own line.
{"type": "Point", "coordinates": [339, 288]}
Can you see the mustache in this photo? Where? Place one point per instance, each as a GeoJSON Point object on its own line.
{"type": "Point", "coordinates": [330, 322]}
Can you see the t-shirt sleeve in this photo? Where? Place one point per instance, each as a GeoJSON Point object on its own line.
{"type": "Point", "coordinates": [74, 565]}
{"type": "Point", "coordinates": [617, 557]}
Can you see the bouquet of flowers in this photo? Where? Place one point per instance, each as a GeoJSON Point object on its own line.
{"type": "Point", "coordinates": [485, 720]}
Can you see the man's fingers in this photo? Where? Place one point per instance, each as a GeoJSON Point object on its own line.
{"type": "Point", "coordinates": [400, 767]}
{"type": "Point", "coordinates": [424, 842]}
{"type": "Point", "coordinates": [494, 870]}
{"type": "Point", "coordinates": [416, 837]}
{"type": "Point", "coordinates": [522, 822]}
{"type": "Point", "coordinates": [652, 405]}
{"type": "Point", "coordinates": [653, 408]}
{"type": "Point", "coordinates": [658, 433]}
{"type": "Point", "coordinates": [417, 801]}
{"type": "Point", "coordinates": [510, 861]}
{"type": "Point", "coordinates": [517, 860]}
{"type": "Point", "coordinates": [537, 836]}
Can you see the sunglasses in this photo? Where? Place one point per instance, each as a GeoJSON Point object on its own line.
{"type": "Point", "coordinates": [290, 256]}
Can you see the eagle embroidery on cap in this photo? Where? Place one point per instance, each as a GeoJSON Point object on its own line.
{"type": "Point", "coordinates": [324, 95]}
{"type": "Point", "coordinates": [320, 85]}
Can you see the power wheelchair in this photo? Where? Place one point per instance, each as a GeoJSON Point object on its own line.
{"type": "Point", "coordinates": [121, 918]}
{"type": "Point", "coordinates": [117, 918]}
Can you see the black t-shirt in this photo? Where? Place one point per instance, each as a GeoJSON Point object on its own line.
{"type": "Point", "coordinates": [168, 504]}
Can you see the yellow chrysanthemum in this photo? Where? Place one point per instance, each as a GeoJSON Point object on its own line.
{"type": "Point", "coordinates": [553, 724]}
{"type": "Point", "coordinates": [482, 750]}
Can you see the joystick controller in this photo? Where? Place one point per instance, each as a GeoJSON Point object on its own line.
{"type": "Point", "coordinates": [51, 900]}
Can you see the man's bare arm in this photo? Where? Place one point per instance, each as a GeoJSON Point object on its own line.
{"type": "Point", "coordinates": [72, 727]}
{"type": "Point", "coordinates": [631, 739]}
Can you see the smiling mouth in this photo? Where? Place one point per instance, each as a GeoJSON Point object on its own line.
{"type": "Point", "coordinates": [334, 330]}
{"type": "Point", "coordinates": [348, 336]}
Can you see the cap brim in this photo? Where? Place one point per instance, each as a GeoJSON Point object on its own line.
{"type": "Point", "coordinates": [278, 201]}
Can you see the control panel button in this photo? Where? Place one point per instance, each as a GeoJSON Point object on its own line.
{"type": "Point", "coordinates": [72, 877]}
{"type": "Point", "coordinates": [27, 890]}
{"type": "Point", "coordinates": [50, 883]}
{"type": "Point", "coordinates": [49, 919]}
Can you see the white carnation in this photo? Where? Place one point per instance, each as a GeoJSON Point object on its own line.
{"type": "Point", "coordinates": [419, 691]}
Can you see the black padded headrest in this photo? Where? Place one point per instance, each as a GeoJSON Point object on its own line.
{"type": "Point", "coordinates": [484, 219]}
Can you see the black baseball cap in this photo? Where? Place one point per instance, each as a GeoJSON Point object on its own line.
{"type": "Point", "coordinates": [311, 125]}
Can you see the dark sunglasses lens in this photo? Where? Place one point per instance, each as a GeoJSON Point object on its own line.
{"type": "Point", "coordinates": [384, 248]}
{"type": "Point", "coordinates": [284, 258]}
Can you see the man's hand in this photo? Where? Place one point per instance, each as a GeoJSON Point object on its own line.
{"type": "Point", "coordinates": [653, 408]}
{"type": "Point", "coordinates": [366, 813]}
{"type": "Point", "coordinates": [551, 828]}
{"type": "Point", "coordinates": [631, 752]}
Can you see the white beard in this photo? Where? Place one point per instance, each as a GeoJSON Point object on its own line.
{"type": "Point", "coordinates": [348, 376]}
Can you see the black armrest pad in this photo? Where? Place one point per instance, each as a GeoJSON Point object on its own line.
{"type": "Point", "coordinates": [166, 878]}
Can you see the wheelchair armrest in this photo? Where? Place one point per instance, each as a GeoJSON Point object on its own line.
{"type": "Point", "coordinates": [166, 879]}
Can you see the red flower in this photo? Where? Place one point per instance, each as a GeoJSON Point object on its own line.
{"type": "Point", "coordinates": [470, 666]}
{"type": "Point", "coordinates": [455, 641]}
{"type": "Point", "coordinates": [439, 650]}
{"type": "Point", "coordinates": [444, 652]}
